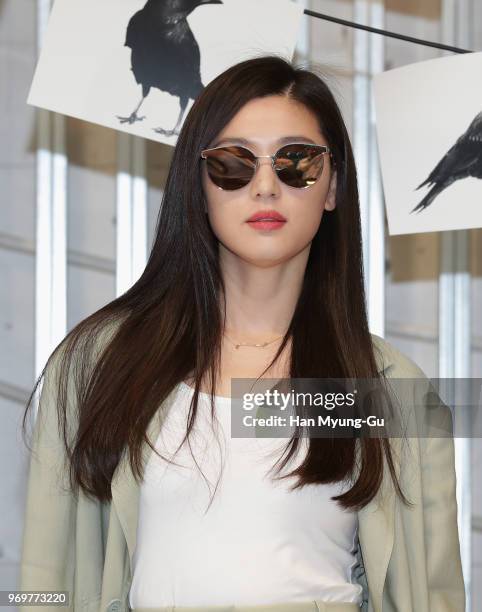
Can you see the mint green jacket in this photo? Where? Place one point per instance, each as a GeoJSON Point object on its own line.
{"type": "Point", "coordinates": [409, 558]}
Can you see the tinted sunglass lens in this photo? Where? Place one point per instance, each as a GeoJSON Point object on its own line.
{"type": "Point", "coordinates": [230, 167]}
{"type": "Point", "coordinates": [299, 165]}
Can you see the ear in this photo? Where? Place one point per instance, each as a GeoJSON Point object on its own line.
{"type": "Point", "coordinates": [330, 202]}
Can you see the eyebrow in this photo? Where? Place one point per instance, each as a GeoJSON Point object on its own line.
{"type": "Point", "coordinates": [280, 141]}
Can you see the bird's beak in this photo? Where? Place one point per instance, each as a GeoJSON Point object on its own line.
{"type": "Point", "coordinates": [210, 2]}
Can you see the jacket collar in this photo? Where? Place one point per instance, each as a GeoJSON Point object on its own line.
{"type": "Point", "coordinates": [375, 520]}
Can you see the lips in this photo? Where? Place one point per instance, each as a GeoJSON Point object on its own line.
{"type": "Point", "coordinates": [267, 215]}
{"type": "Point", "coordinates": [267, 220]}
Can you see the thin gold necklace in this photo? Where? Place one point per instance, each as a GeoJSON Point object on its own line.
{"type": "Point", "coordinates": [257, 345]}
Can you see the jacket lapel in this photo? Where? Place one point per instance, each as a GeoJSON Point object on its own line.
{"type": "Point", "coordinates": [376, 533]}
{"type": "Point", "coordinates": [375, 520]}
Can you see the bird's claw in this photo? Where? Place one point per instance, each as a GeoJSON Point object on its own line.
{"type": "Point", "coordinates": [166, 132]}
{"type": "Point", "coordinates": [131, 119]}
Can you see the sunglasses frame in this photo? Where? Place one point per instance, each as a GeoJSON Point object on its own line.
{"type": "Point", "coordinates": [325, 150]}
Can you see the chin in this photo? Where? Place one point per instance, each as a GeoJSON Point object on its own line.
{"type": "Point", "coordinates": [265, 260]}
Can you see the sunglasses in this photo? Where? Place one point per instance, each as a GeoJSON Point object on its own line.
{"type": "Point", "coordinates": [297, 165]}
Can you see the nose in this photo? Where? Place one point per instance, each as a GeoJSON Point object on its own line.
{"type": "Point", "coordinates": [265, 182]}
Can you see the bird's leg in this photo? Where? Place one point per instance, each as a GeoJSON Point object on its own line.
{"type": "Point", "coordinates": [133, 116]}
{"type": "Point", "coordinates": [175, 130]}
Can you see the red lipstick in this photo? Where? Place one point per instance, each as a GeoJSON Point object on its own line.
{"type": "Point", "coordinates": [266, 220]}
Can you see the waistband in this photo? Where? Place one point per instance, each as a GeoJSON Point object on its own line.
{"type": "Point", "coordinates": [299, 606]}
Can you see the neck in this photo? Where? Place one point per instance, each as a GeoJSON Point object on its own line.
{"type": "Point", "coordinates": [260, 300]}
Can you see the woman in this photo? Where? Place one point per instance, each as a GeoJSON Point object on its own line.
{"type": "Point", "coordinates": [256, 271]}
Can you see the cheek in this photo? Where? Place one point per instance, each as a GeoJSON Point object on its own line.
{"type": "Point", "coordinates": [216, 200]}
{"type": "Point", "coordinates": [226, 222]}
{"type": "Point", "coordinates": [305, 222]}
{"type": "Point", "coordinates": [220, 221]}
{"type": "Point", "coordinates": [306, 210]}
{"type": "Point", "coordinates": [224, 213]}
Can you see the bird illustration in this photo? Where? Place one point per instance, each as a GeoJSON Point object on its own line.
{"type": "Point", "coordinates": [165, 54]}
{"type": "Point", "coordinates": [464, 159]}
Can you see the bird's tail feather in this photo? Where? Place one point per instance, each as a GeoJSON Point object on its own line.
{"type": "Point", "coordinates": [425, 182]}
{"type": "Point", "coordinates": [428, 199]}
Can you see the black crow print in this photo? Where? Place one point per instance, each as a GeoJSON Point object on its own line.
{"type": "Point", "coordinates": [464, 159]}
{"type": "Point", "coordinates": [165, 54]}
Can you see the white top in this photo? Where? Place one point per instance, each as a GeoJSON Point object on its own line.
{"type": "Point", "coordinates": [258, 543]}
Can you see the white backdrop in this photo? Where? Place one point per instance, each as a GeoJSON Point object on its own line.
{"type": "Point", "coordinates": [421, 111]}
{"type": "Point", "coordinates": [84, 67]}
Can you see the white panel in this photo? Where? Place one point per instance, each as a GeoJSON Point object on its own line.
{"type": "Point", "coordinates": [91, 218]}
{"type": "Point", "coordinates": [88, 291]}
{"type": "Point", "coordinates": [51, 238]}
{"type": "Point", "coordinates": [454, 321]}
{"type": "Point", "coordinates": [16, 321]}
{"type": "Point", "coordinates": [368, 59]}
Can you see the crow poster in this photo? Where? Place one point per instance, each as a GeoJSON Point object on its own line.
{"type": "Point", "coordinates": [138, 65]}
{"type": "Point", "coordinates": [429, 130]}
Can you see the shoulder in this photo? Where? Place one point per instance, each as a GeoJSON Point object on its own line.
{"type": "Point", "coordinates": [81, 351]}
{"type": "Point", "coordinates": [411, 387]}
{"type": "Point", "coordinates": [105, 333]}
{"type": "Point", "coordinates": [393, 362]}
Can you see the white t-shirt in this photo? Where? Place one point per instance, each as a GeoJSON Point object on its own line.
{"type": "Point", "coordinates": [258, 543]}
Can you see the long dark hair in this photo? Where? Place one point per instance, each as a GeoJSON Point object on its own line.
{"type": "Point", "coordinates": [169, 324]}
